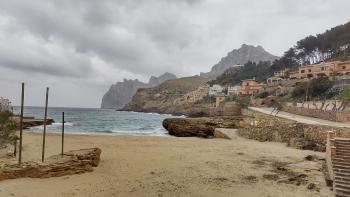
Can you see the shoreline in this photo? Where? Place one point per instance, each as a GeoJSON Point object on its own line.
{"type": "Point", "coordinates": [92, 134]}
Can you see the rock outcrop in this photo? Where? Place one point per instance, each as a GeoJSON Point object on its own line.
{"type": "Point", "coordinates": [31, 121]}
{"type": "Point", "coordinates": [240, 57]}
{"type": "Point", "coordinates": [199, 127]}
{"type": "Point", "coordinates": [121, 93]}
{"type": "Point", "coordinates": [160, 99]}
{"type": "Point", "coordinates": [72, 162]}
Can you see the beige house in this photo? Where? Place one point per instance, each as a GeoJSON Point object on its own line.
{"type": "Point", "coordinates": [281, 73]}
{"type": "Point", "coordinates": [342, 68]}
{"type": "Point", "coordinates": [333, 68]}
{"type": "Point", "coordinates": [272, 81]}
{"type": "Point", "coordinates": [219, 98]}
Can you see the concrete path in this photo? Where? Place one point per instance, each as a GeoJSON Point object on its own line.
{"type": "Point", "coordinates": [226, 133]}
{"type": "Point", "coordinates": [302, 119]}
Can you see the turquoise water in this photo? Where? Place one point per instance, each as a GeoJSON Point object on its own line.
{"type": "Point", "coordinates": [100, 121]}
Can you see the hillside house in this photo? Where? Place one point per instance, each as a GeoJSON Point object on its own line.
{"type": "Point", "coordinates": [251, 87]}
{"type": "Point", "coordinates": [215, 89]}
{"type": "Point", "coordinates": [272, 81]}
{"type": "Point", "coordinates": [219, 99]}
{"type": "Point", "coordinates": [281, 73]}
{"type": "Point", "coordinates": [234, 90]}
{"type": "Point", "coordinates": [334, 68]}
{"type": "Point", "coordinates": [342, 68]}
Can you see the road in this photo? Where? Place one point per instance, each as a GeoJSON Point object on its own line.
{"type": "Point", "coordinates": [302, 119]}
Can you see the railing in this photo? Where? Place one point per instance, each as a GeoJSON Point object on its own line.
{"type": "Point", "coordinates": [330, 153]}
{"type": "Point", "coordinates": [317, 113]}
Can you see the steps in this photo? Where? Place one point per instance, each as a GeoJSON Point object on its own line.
{"type": "Point", "coordinates": [341, 167]}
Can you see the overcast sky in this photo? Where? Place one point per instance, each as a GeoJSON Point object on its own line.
{"type": "Point", "coordinates": [80, 47]}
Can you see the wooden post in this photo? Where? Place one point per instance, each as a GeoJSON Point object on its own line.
{"type": "Point", "coordinates": [45, 119]}
{"type": "Point", "coordinates": [62, 134]}
{"type": "Point", "coordinates": [15, 148]}
{"type": "Point", "coordinates": [21, 127]}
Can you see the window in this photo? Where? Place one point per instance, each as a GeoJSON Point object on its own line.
{"type": "Point", "coordinates": [309, 70]}
{"type": "Point", "coordinates": [302, 71]}
{"type": "Point", "coordinates": [323, 68]}
{"type": "Point", "coordinates": [344, 67]}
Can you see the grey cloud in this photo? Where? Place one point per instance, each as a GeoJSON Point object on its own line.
{"type": "Point", "coordinates": [101, 41]}
{"type": "Point", "coordinates": [96, 29]}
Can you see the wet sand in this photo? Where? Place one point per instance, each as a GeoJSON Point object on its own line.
{"type": "Point", "coordinates": [169, 166]}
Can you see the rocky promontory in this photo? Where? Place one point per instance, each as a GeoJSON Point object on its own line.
{"type": "Point", "coordinates": [200, 127]}
{"type": "Point", "coordinates": [161, 99]}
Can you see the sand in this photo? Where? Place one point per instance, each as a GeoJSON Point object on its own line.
{"type": "Point", "coordinates": [168, 166]}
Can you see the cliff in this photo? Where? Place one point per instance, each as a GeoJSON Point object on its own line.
{"type": "Point", "coordinates": [241, 56]}
{"type": "Point", "coordinates": [121, 93]}
{"type": "Point", "coordinates": [160, 99]}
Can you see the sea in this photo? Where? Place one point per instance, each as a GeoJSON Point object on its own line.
{"type": "Point", "coordinates": [99, 121]}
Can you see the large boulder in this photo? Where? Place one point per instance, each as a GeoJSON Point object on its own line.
{"type": "Point", "coordinates": [199, 127]}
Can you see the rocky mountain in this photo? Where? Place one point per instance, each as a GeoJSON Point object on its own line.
{"type": "Point", "coordinates": [121, 93]}
{"type": "Point", "coordinates": [160, 99]}
{"type": "Point", "coordinates": [239, 57]}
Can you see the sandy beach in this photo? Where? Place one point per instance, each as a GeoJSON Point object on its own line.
{"type": "Point", "coordinates": [169, 166]}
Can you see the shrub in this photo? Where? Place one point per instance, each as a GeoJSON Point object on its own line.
{"type": "Point", "coordinates": [207, 99]}
{"type": "Point", "coordinates": [243, 101]}
{"type": "Point", "coordinates": [262, 95]}
{"type": "Point", "coordinates": [7, 126]}
{"type": "Point", "coordinates": [315, 88]}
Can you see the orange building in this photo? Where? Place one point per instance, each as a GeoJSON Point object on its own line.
{"type": "Point", "coordinates": [251, 87]}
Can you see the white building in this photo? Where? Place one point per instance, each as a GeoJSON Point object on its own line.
{"type": "Point", "coordinates": [234, 90]}
{"type": "Point", "coordinates": [214, 89]}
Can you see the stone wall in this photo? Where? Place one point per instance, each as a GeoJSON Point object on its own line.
{"type": "Point", "coordinates": [263, 127]}
{"type": "Point", "coordinates": [73, 162]}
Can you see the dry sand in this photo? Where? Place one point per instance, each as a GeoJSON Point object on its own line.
{"type": "Point", "coordinates": [169, 166]}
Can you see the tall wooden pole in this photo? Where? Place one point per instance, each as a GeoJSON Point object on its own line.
{"type": "Point", "coordinates": [45, 119]}
{"type": "Point", "coordinates": [21, 127]}
{"type": "Point", "coordinates": [62, 134]}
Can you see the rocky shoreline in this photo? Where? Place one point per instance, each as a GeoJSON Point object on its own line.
{"type": "Point", "coordinates": [31, 121]}
{"type": "Point", "coordinates": [258, 127]}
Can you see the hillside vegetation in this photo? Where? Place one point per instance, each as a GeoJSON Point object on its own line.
{"type": "Point", "coordinates": [332, 44]}
{"type": "Point", "coordinates": [235, 75]}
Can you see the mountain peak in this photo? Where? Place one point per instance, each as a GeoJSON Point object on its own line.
{"type": "Point", "coordinates": [154, 81]}
{"type": "Point", "coordinates": [241, 56]}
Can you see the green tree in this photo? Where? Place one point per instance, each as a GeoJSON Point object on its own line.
{"type": "Point", "coordinates": [317, 88]}
{"type": "Point", "coordinates": [344, 97]}
{"type": "Point", "coordinates": [235, 75]}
